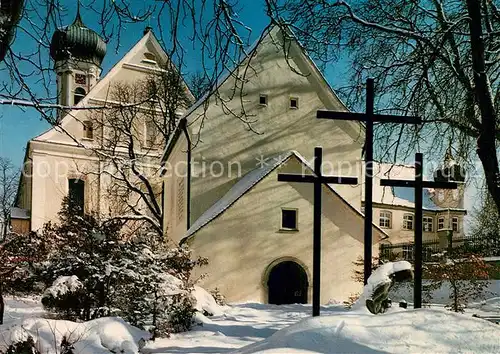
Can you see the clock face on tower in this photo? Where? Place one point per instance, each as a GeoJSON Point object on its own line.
{"type": "Point", "coordinates": [80, 79]}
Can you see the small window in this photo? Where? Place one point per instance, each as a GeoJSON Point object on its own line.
{"type": "Point", "coordinates": [408, 221]}
{"type": "Point", "coordinates": [151, 133]}
{"type": "Point", "coordinates": [427, 224]}
{"type": "Point", "coordinates": [180, 199]}
{"type": "Point", "coordinates": [263, 100]}
{"type": "Point", "coordinates": [80, 79]}
{"type": "Point", "coordinates": [294, 102]}
{"type": "Point", "coordinates": [289, 219]}
{"type": "Point", "coordinates": [385, 219]}
{"type": "Point", "coordinates": [149, 58]}
{"type": "Point", "coordinates": [454, 224]}
{"type": "Point", "coordinates": [88, 130]}
{"type": "Point", "coordinates": [440, 223]}
{"type": "Point", "coordinates": [79, 95]}
{"type": "Point", "coordinates": [76, 193]}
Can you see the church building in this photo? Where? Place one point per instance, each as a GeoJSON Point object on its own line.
{"type": "Point", "coordinates": [223, 198]}
{"type": "Point", "coordinates": [255, 231]}
{"type": "Point", "coordinates": [63, 160]}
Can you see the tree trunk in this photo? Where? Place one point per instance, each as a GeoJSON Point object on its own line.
{"type": "Point", "coordinates": [486, 144]}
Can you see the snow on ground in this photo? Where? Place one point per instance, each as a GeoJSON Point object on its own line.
{"type": "Point", "coordinates": [24, 316]}
{"type": "Point", "coordinates": [240, 325]}
{"type": "Point", "coordinates": [279, 329]}
{"type": "Point", "coordinates": [414, 331]}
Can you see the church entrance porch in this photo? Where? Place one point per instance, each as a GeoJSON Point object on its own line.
{"type": "Point", "coordinates": [287, 284]}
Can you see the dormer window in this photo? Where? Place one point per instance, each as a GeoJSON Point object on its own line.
{"type": "Point", "coordinates": [294, 102]}
{"type": "Point", "coordinates": [263, 100]}
{"type": "Point", "coordinates": [79, 95]}
{"type": "Point", "coordinates": [88, 130]}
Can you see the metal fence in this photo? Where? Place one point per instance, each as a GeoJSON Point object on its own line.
{"type": "Point", "coordinates": [486, 247]}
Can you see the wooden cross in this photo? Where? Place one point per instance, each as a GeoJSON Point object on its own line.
{"type": "Point", "coordinates": [368, 118]}
{"type": "Point", "coordinates": [418, 184]}
{"type": "Point", "coordinates": [317, 179]}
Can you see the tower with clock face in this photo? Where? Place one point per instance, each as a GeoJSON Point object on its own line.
{"type": "Point", "coordinates": [450, 171]}
{"type": "Point", "coordinates": [78, 52]}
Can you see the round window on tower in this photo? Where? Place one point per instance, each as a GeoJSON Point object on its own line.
{"type": "Point", "coordinates": [79, 95]}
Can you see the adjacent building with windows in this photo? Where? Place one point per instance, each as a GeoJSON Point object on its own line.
{"type": "Point", "coordinates": [443, 214]}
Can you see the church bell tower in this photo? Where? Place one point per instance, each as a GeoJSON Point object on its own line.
{"type": "Point", "coordinates": [450, 171]}
{"type": "Point", "coordinates": [78, 52]}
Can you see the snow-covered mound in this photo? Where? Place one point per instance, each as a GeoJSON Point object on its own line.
{"type": "Point", "coordinates": [381, 275]}
{"type": "Point", "coordinates": [205, 302]}
{"type": "Point", "coordinates": [103, 335]}
{"type": "Point", "coordinates": [490, 305]}
{"type": "Point", "coordinates": [411, 331]}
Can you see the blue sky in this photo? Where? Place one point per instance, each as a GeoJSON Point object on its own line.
{"type": "Point", "coordinates": [18, 125]}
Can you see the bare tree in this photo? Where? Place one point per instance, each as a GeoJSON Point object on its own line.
{"type": "Point", "coordinates": [9, 178]}
{"type": "Point", "coordinates": [439, 60]}
{"type": "Point", "coordinates": [131, 137]}
{"type": "Point", "coordinates": [209, 28]}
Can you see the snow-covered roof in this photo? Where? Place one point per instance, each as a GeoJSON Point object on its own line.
{"type": "Point", "coordinates": [246, 183]}
{"type": "Point", "coordinates": [241, 187]}
{"type": "Point", "coordinates": [399, 196]}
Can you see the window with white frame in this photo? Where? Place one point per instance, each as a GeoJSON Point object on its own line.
{"type": "Point", "coordinates": [263, 100]}
{"type": "Point", "coordinates": [428, 223]}
{"type": "Point", "coordinates": [408, 222]}
{"type": "Point", "coordinates": [294, 102]}
{"type": "Point", "coordinates": [440, 223]}
{"type": "Point", "coordinates": [454, 224]}
{"type": "Point", "coordinates": [385, 219]}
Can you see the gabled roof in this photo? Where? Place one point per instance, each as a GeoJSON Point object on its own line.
{"type": "Point", "coordinates": [150, 37]}
{"type": "Point", "coordinates": [250, 53]}
{"type": "Point", "coordinates": [246, 183]}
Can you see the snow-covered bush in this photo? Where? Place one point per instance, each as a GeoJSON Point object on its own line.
{"type": "Point", "coordinates": [219, 298]}
{"type": "Point", "coordinates": [66, 297]}
{"type": "Point", "coordinates": [26, 346]}
{"type": "Point", "coordinates": [139, 279]}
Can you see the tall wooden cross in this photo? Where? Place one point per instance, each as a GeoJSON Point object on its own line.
{"type": "Point", "coordinates": [317, 179]}
{"type": "Point", "coordinates": [369, 117]}
{"type": "Point", "coordinates": [418, 184]}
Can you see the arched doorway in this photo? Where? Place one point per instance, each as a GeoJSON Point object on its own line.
{"type": "Point", "coordinates": [287, 284]}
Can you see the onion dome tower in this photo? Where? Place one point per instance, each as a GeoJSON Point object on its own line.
{"type": "Point", "coordinates": [78, 52]}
